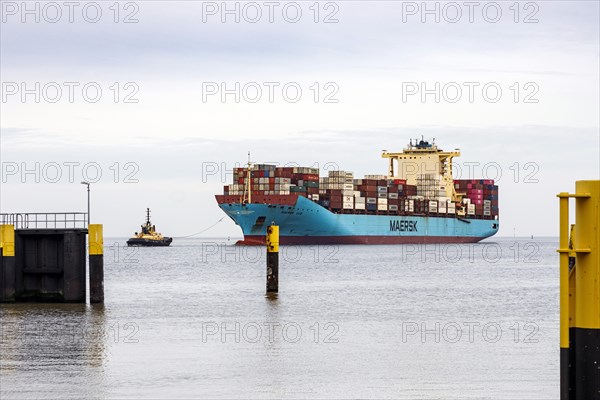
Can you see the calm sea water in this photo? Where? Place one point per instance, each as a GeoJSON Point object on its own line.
{"type": "Point", "coordinates": [473, 321]}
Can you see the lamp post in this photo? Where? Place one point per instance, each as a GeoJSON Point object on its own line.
{"type": "Point", "coordinates": [88, 199]}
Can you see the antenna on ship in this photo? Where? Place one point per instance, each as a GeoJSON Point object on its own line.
{"type": "Point", "coordinates": [148, 216]}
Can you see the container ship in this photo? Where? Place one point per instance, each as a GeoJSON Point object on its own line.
{"type": "Point", "coordinates": [417, 201]}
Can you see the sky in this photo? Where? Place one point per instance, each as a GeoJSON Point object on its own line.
{"type": "Point", "coordinates": [155, 102]}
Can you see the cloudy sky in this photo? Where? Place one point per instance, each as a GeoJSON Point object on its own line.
{"type": "Point", "coordinates": [157, 101]}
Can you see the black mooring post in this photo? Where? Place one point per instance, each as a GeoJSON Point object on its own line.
{"type": "Point", "coordinates": [96, 253]}
{"type": "Point", "coordinates": [272, 259]}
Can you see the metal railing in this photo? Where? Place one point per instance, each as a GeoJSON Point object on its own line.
{"type": "Point", "coordinates": [59, 220]}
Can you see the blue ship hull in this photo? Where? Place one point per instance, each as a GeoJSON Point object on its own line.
{"type": "Point", "coordinates": [307, 222]}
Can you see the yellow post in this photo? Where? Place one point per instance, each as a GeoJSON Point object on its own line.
{"type": "Point", "coordinates": [580, 294]}
{"type": "Point", "coordinates": [7, 263]}
{"type": "Point", "coordinates": [563, 244]}
{"type": "Point", "coordinates": [272, 259]}
{"type": "Point", "coordinates": [7, 240]}
{"type": "Point", "coordinates": [96, 239]}
{"type": "Point", "coordinates": [564, 269]}
{"type": "Point", "coordinates": [587, 217]}
{"type": "Point", "coordinates": [96, 262]}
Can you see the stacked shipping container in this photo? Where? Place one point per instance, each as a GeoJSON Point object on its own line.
{"type": "Point", "coordinates": [375, 194]}
{"type": "Point", "coordinates": [480, 196]}
{"type": "Point", "coordinates": [270, 180]}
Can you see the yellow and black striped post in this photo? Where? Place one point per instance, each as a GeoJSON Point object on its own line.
{"type": "Point", "coordinates": [580, 294]}
{"type": "Point", "coordinates": [7, 263]}
{"type": "Point", "coordinates": [96, 255]}
{"type": "Point", "coordinates": [272, 259]}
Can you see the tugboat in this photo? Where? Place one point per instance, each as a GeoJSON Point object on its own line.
{"type": "Point", "coordinates": [148, 236]}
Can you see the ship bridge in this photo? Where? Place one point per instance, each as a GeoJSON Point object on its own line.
{"type": "Point", "coordinates": [422, 158]}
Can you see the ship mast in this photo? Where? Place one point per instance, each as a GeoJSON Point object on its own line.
{"type": "Point", "coordinates": [248, 186]}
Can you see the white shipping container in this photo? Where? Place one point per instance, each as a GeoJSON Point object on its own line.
{"type": "Point", "coordinates": [359, 206]}
{"type": "Point", "coordinates": [348, 206]}
{"type": "Point", "coordinates": [348, 199]}
{"type": "Point", "coordinates": [382, 207]}
{"type": "Point", "coordinates": [433, 204]}
{"type": "Point", "coordinates": [360, 200]}
{"type": "Point", "coordinates": [392, 195]}
{"type": "Point", "coordinates": [348, 193]}
{"type": "Point", "coordinates": [315, 197]}
{"type": "Point", "coordinates": [371, 200]}
{"type": "Point", "coordinates": [348, 186]}
{"type": "Point", "coordinates": [393, 207]}
{"type": "Point", "coordinates": [382, 189]}
{"type": "Point", "coordinates": [382, 195]}
{"type": "Point", "coordinates": [382, 201]}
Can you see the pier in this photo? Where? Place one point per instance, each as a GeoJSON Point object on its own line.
{"type": "Point", "coordinates": [43, 258]}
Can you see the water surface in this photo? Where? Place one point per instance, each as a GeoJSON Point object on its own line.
{"type": "Point", "coordinates": [192, 321]}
